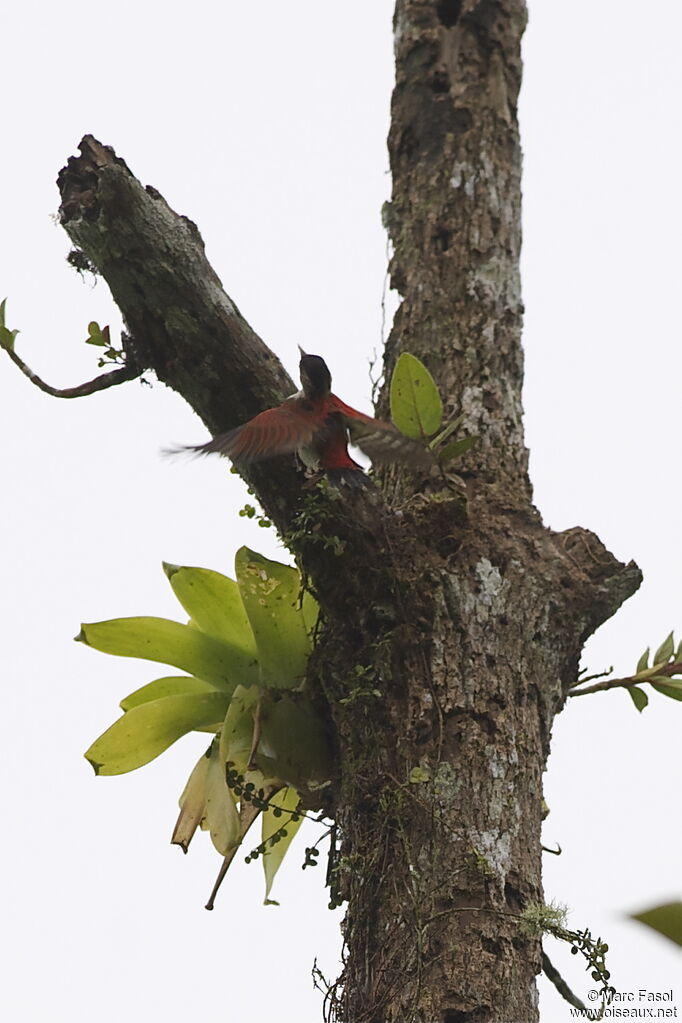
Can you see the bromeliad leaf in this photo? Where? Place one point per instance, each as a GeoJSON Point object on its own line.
{"type": "Point", "coordinates": [270, 592]}
{"type": "Point", "coordinates": [294, 745]}
{"type": "Point", "coordinates": [416, 407]}
{"type": "Point", "coordinates": [236, 735]}
{"type": "Point", "coordinates": [158, 639]}
{"type": "Point", "coordinates": [286, 800]}
{"type": "Point", "coordinates": [215, 606]}
{"type": "Point", "coordinates": [171, 685]}
{"type": "Point", "coordinates": [150, 728]}
{"type": "Point", "coordinates": [222, 816]}
{"type": "Point", "coordinates": [192, 804]}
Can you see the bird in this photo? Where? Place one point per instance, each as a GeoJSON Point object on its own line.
{"type": "Point", "coordinates": [317, 425]}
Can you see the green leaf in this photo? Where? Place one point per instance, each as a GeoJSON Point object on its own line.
{"type": "Point", "coordinates": [416, 408]}
{"type": "Point", "coordinates": [446, 432]}
{"type": "Point", "coordinates": [192, 804]}
{"type": "Point", "coordinates": [310, 610]}
{"type": "Point", "coordinates": [158, 639]}
{"type": "Point", "coordinates": [216, 608]}
{"type": "Point", "coordinates": [147, 730]}
{"type": "Point", "coordinates": [285, 799]}
{"type": "Point", "coordinates": [666, 919]}
{"type": "Point", "coordinates": [7, 338]}
{"type": "Point", "coordinates": [222, 816]}
{"type": "Point", "coordinates": [171, 685]}
{"type": "Point", "coordinates": [294, 744]}
{"type": "Point", "coordinates": [639, 697]}
{"type": "Point", "coordinates": [671, 687]}
{"type": "Point", "coordinates": [643, 662]}
{"type": "Point", "coordinates": [270, 592]}
{"type": "Point", "coordinates": [665, 650]}
{"type": "Point", "coordinates": [97, 336]}
{"type": "Point", "coordinates": [236, 735]}
{"type": "Point", "coordinates": [419, 775]}
{"type": "Point", "coordinates": [456, 449]}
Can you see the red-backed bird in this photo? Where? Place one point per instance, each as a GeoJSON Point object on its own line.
{"type": "Point", "coordinates": [316, 425]}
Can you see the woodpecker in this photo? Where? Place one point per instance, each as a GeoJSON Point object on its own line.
{"type": "Point", "coordinates": [316, 425]}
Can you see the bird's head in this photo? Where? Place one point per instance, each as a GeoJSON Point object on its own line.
{"type": "Point", "coordinates": [316, 380]}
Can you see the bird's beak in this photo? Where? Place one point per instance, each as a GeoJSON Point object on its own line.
{"type": "Point", "coordinates": [301, 351]}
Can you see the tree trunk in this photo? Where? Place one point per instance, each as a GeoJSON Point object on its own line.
{"type": "Point", "coordinates": [451, 635]}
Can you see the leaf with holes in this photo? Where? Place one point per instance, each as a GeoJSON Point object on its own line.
{"type": "Point", "coordinates": [271, 593]}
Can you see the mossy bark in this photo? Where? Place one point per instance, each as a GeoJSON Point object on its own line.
{"type": "Point", "coordinates": [451, 636]}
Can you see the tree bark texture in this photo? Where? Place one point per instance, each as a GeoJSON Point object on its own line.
{"type": "Point", "coordinates": [467, 623]}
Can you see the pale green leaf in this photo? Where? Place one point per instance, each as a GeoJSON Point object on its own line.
{"type": "Point", "coordinates": [158, 639]}
{"type": "Point", "coordinates": [192, 804]}
{"type": "Point", "coordinates": [215, 606]}
{"type": "Point", "coordinates": [222, 816]}
{"type": "Point", "coordinates": [147, 730]}
{"type": "Point", "coordinates": [270, 592]}
{"type": "Point", "coordinates": [416, 407]}
{"type": "Point", "coordinates": [287, 800]}
{"type": "Point", "coordinates": [666, 919]}
{"type": "Point", "coordinates": [643, 662]}
{"type": "Point", "coordinates": [294, 744]}
{"type": "Point", "coordinates": [665, 650]}
{"type": "Point", "coordinates": [456, 449]}
{"type": "Point", "coordinates": [419, 775]}
{"type": "Point", "coordinates": [171, 685]}
{"type": "Point", "coordinates": [638, 696]}
{"type": "Point", "coordinates": [236, 735]}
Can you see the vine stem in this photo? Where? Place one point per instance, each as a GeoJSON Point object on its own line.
{"type": "Point", "coordinates": [100, 383]}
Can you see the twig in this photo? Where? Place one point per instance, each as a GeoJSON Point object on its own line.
{"type": "Point", "coordinates": [667, 670]}
{"type": "Point", "coordinates": [554, 852]}
{"type": "Point", "coordinates": [100, 383]}
{"type": "Point", "coordinates": [560, 984]}
{"type": "Point", "coordinates": [589, 678]}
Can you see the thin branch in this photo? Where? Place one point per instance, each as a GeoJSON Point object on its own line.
{"type": "Point", "coordinates": [554, 852]}
{"type": "Point", "coordinates": [590, 678]}
{"type": "Point", "coordinates": [667, 670]}
{"type": "Point", "coordinates": [100, 383]}
{"type": "Point", "coordinates": [560, 984]}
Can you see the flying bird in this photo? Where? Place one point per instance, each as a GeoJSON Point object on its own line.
{"type": "Point", "coordinates": [317, 425]}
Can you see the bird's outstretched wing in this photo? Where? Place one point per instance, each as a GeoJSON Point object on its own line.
{"type": "Point", "coordinates": [277, 431]}
{"type": "Point", "coordinates": [382, 441]}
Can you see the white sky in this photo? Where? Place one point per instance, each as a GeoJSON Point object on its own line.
{"type": "Point", "coordinates": [266, 124]}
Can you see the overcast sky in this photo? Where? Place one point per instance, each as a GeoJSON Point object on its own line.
{"type": "Point", "coordinates": [266, 123]}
